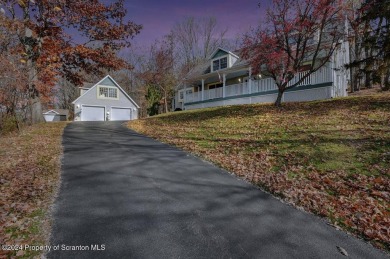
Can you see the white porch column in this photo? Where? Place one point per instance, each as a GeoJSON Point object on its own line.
{"type": "Point", "coordinates": [250, 81]}
{"type": "Point", "coordinates": [224, 86]}
{"type": "Point", "coordinates": [185, 94]}
{"type": "Point", "coordinates": [202, 89]}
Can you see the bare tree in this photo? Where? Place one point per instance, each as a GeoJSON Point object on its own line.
{"type": "Point", "coordinates": [169, 60]}
{"type": "Point", "coordinates": [371, 22]}
{"type": "Point", "coordinates": [357, 30]}
{"type": "Point", "coordinates": [196, 39]}
{"type": "Point", "coordinates": [66, 93]}
{"type": "Point", "coordinates": [159, 77]}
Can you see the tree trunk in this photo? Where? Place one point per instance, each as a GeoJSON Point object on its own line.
{"type": "Point", "coordinates": [356, 81]}
{"type": "Point", "coordinates": [278, 101]}
{"type": "Point", "coordinates": [17, 124]}
{"type": "Point", "coordinates": [165, 102]}
{"type": "Point", "coordinates": [353, 79]}
{"type": "Point", "coordinates": [367, 74]}
{"type": "Point", "coordinates": [34, 101]}
{"type": "Point", "coordinates": [36, 110]}
{"type": "Point", "coordinates": [385, 80]}
{"type": "Point", "coordinates": [367, 79]}
{"type": "Point", "coordinates": [166, 105]}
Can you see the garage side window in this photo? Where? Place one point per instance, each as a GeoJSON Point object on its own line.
{"type": "Point", "coordinates": [105, 92]}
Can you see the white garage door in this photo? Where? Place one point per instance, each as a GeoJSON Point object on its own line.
{"type": "Point", "coordinates": [120, 114]}
{"type": "Point", "coordinates": [92, 113]}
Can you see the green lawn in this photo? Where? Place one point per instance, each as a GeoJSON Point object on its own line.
{"type": "Point", "coordinates": [328, 157]}
{"type": "Point", "coordinates": [29, 177]}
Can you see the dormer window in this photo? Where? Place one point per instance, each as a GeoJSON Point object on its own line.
{"type": "Point", "coordinates": [219, 64]}
{"type": "Point", "coordinates": [221, 59]}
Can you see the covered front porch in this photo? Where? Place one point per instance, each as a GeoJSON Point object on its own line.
{"type": "Point", "coordinates": [238, 84]}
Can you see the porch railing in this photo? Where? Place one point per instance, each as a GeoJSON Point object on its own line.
{"type": "Point", "coordinates": [323, 75]}
{"type": "Point", "coordinates": [237, 89]}
{"type": "Point", "coordinates": [213, 93]}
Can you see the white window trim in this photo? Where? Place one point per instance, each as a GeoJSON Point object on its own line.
{"type": "Point", "coordinates": [192, 89]}
{"type": "Point", "coordinates": [218, 58]}
{"type": "Point", "coordinates": [180, 99]}
{"type": "Point", "coordinates": [107, 98]}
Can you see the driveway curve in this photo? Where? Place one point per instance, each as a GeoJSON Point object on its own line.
{"type": "Point", "coordinates": [124, 195]}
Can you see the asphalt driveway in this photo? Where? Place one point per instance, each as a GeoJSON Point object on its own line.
{"type": "Point", "coordinates": [133, 197]}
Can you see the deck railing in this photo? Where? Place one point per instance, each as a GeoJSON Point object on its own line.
{"type": "Point", "coordinates": [323, 75]}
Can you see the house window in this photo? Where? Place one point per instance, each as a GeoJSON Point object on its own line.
{"type": "Point", "coordinates": [181, 95]}
{"type": "Point", "coordinates": [105, 92]}
{"type": "Point", "coordinates": [183, 92]}
{"type": "Point", "coordinates": [220, 64]}
{"type": "Point", "coordinates": [216, 85]}
{"type": "Point", "coordinates": [223, 63]}
{"type": "Point", "coordinates": [215, 65]}
{"type": "Point", "coordinates": [188, 91]}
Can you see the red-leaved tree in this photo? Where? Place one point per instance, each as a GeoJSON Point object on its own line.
{"type": "Point", "coordinates": [67, 38]}
{"type": "Point", "coordinates": [296, 33]}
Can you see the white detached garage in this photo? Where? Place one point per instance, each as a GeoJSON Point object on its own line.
{"type": "Point", "coordinates": [105, 101]}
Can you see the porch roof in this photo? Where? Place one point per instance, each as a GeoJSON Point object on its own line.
{"type": "Point", "coordinates": [202, 71]}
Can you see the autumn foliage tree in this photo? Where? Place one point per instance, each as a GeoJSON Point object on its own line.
{"type": "Point", "coordinates": [12, 76]}
{"type": "Point", "coordinates": [298, 32]}
{"type": "Point", "coordinates": [158, 76]}
{"type": "Point", "coordinates": [63, 38]}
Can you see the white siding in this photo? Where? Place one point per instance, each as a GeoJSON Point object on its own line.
{"type": "Point", "coordinates": [90, 98]}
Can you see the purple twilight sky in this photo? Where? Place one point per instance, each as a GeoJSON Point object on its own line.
{"type": "Point", "coordinates": [158, 16]}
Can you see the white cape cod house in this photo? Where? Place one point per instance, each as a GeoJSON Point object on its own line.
{"type": "Point", "coordinates": [226, 79]}
{"type": "Point", "coordinates": [105, 101]}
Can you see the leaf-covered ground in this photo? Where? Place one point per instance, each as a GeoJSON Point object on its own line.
{"type": "Point", "coordinates": [29, 176]}
{"type": "Point", "coordinates": [329, 157]}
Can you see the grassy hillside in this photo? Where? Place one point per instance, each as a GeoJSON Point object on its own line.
{"type": "Point", "coordinates": [328, 157]}
{"type": "Point", "coordinates": [29, 175]}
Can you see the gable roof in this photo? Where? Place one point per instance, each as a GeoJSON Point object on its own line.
{"type": "Point", "coordinates": [51, 111]}
{"type": "Point", "coordinates": [223, 50]}
{"type": "Point", "coordinates": [107, 77]}
{"type": "Point", "coordinates": [57, 112]}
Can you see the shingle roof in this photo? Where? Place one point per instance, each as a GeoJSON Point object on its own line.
{"type": "Point", "coordinates": [204, 68]}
